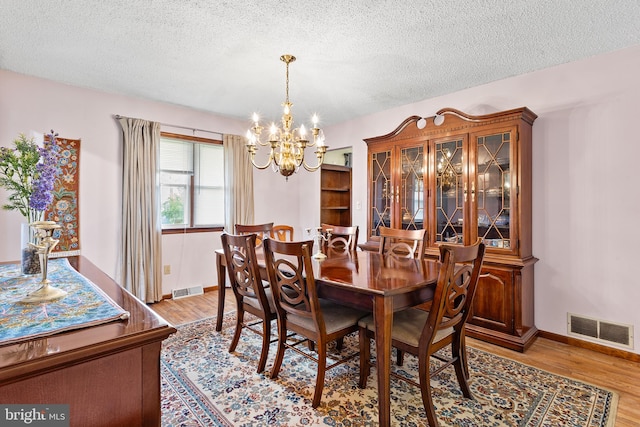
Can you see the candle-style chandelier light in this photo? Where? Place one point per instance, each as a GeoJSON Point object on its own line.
{"type": "Point", "coordinates": [286, 154]}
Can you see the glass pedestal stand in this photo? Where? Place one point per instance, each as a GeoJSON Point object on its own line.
{"type": "Point", "coordinates": [44, 244]}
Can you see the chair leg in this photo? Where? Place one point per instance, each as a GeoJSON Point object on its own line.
{"type": "Point", "coordinates": [282, 338]}
{"type": "Point", "coordinates": [340, 343]}
{"type": "Point", "coordinates": [365, 354]}
{"type": "Point", "coordinates": [266, 340]}
{"type": "Point", "coordinates": [322, 367]}
{"type": "Point", "coordinates": [425, 390]}
{"type": "Point", "coordinates": [463, 354]}
{"type": "Point", "coordinates": [399, 357]}
{"type": "Point", "coordinates": [238, 331]}
{"type": "Point", "coordinates": [460, 359]}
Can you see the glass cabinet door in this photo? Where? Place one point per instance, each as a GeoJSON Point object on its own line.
{"type": "Point", "coordinates": [411, 188]}
{"type": "Point", "coordinates": [493, 195]}
{"type": "Point", "coordinates": [381, 191]}
{"type": "Point", "coordinates": [449, 191]}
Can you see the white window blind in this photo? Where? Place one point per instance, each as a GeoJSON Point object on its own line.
{"type": "Point", "coordinates": [191, 183]}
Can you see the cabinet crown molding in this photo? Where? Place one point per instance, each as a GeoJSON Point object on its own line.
{"type": "Point", "coordinates": [454, 121]}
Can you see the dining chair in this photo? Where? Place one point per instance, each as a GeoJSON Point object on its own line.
{"type": "Point", "coordinates": [282, 232]}
{"type": "Point", "coordinates": [400, 242]}
{"type": "Point", "coordinates": [261, 230]}
{"type": "Point", "coordinates": [300, 311]}
{"type": "Point", "coordinates": [250, 293]}
{"type": "Point", "coordinates": [342, 237]}
{"type": "Point", "coordinates": [423, 333]}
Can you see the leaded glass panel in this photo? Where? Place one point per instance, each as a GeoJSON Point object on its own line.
{"type": "Point", "coordinates": [494, 189]}
{"type": "Point", "coordinates": [381, 191]}
{"type": "Point", "coordinates": [412, 188]}
{"type": "Point", "coordinates": [449, 191]}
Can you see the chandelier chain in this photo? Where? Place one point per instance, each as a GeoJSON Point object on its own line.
{"type": "Point", "coordinates": [287, 84]}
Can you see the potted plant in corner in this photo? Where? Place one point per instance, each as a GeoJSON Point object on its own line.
{"type": "Point", "coordinates": [28, 172]}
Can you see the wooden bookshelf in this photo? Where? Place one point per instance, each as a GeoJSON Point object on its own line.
{"type": "Point", "coordinates": [335, 195]}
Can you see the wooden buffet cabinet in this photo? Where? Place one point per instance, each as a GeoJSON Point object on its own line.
{"type": "Point", "coordinates": [109, 375]}
{"type": "Point", "coordinates": [467, 177]}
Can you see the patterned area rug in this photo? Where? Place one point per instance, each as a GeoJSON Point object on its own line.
{"type": "Point", "coordinates": [204, 385]}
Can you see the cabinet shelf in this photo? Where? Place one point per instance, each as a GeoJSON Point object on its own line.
{"type": "Point", "coordinates": [498, 191]}
{"type": "Point", "coordinates": [449, 193]}
{"type": "Point", "coordinates": [340, 190]}
{"type": "Point", "coordinates": [458, 227]}
{"type": "Point", "coordinates": [503, 163]}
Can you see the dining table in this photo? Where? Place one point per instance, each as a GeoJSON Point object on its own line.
{"type": "Point", "coordinates": [381, 284]}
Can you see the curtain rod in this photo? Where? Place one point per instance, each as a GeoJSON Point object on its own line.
{"type": "Point", "coordinates": [118, 116]}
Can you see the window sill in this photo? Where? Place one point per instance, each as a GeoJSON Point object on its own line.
{"type": "Point", "coordinates": [191, 230]}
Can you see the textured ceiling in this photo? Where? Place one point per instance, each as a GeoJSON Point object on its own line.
{"type": "Point", "coordinates": [354, 57]}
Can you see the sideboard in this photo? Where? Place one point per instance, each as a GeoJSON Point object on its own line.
{"type": "Point", "coordinates": [109, 375]}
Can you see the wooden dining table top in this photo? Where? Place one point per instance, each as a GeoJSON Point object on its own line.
{"type": "Point", "coordinates": [373, 273]}
{"type": "Point", "coordinates": [360, 278]}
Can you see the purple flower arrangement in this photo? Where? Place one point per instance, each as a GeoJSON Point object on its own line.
{"type": "Point", "coordinates": [28, 173]}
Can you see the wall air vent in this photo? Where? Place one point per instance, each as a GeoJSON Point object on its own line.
{"type": "Point", "coordinates": [600, 331]}
{"type": "Point", "coordinates": [186, 292]}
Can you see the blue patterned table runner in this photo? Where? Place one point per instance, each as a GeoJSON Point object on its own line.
{"type": "Point", "coordinates": [84, 305]}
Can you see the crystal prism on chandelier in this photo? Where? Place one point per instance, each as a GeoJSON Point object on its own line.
{"type": "Point", "coordinates": [287, 145]}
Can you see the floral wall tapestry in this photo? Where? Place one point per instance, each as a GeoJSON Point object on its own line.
{"type": "Point", "coordinates": [64, 207]}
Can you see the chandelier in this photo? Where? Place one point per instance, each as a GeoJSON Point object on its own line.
{"type": "Point", "coordinates": [446, 174]}
{"type": "Point", "coordinates": [286, 154]}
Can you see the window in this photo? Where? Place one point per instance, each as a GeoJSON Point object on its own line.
{"type": "Point", "coordinates": [191, 182]}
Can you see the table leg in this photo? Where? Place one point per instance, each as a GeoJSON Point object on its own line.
{"type": "Point", "coordinates": [222, 279]}
{"type": "Point", "coordinates": [383, 318]}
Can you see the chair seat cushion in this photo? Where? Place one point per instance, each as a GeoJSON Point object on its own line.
{"type": "Point", "coordinates": [336, 317]}
{"type": "Point", "coordinates": [253, 302]}
{"type": "Point", "coordinates": [407, 326]}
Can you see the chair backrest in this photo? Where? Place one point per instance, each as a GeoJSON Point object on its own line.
{"type": "Point", "coordinates": [282, 232]}
{"type": "Point", "coordinates": [262, 231]}
{"type": "Point", "coordinates": [457, 279]}
{"type": "Point", "coordinates": [293, 285]}
{"type": "Point", "coordinates": [468, 261]}
{"type": "Point", "coordinates": [242, 265]}
{"type": "Point", "coordinates": [342, 237]}
{"type": "Point", "coordinates": [400, 242]}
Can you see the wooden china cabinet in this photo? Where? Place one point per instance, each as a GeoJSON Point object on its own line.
{"type": "Point", "coordinates": [464, 178]}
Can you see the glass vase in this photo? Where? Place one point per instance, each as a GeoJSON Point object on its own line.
{"type": "Point", "coordinates": [30, 260]}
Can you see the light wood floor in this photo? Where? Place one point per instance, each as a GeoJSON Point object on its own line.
{"type": "Point", "coordinates": [610, 372]}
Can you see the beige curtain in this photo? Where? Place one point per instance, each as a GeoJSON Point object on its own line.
{"type": "Point", "coordinates": [141, 272]}
{"type": "Point", "coordinates": [239, 182]}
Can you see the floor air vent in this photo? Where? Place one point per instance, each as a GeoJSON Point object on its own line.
{"type": "Point", "coordinates": [186, 292]}
{"type": "Point", "coordinates": [600, 330]}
